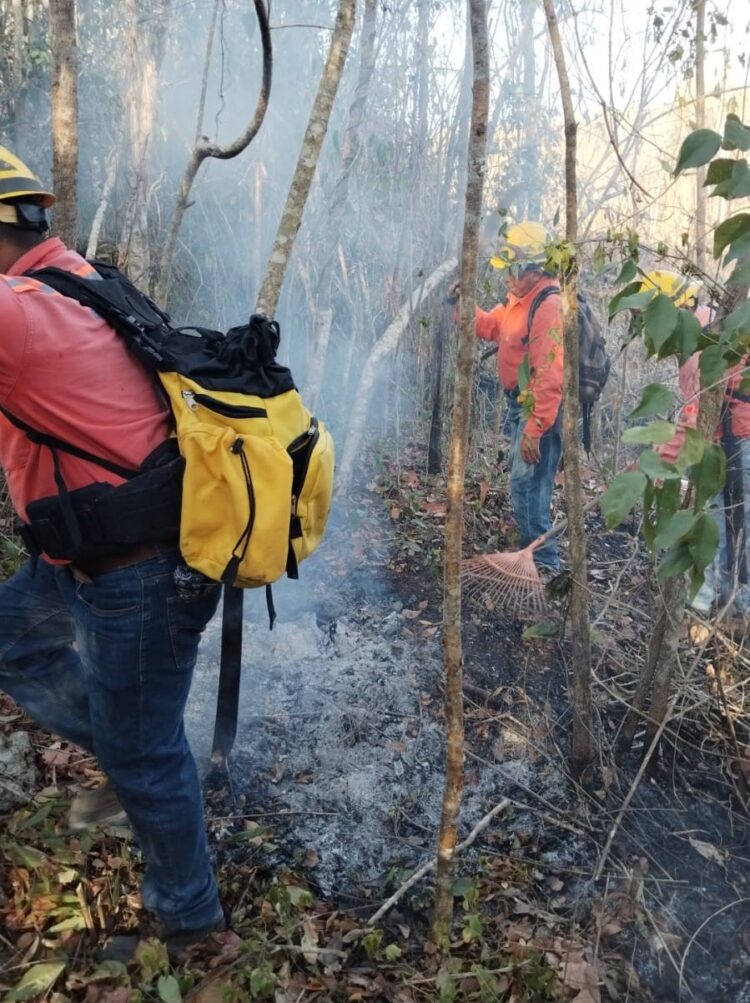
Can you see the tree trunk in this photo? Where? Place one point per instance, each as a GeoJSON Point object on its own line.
{"type": "Point", "coordinates": [435, 444]}
{"type": "Point", "coordinates": [383, 347]}
{"type": "Point", "coordinates": [452, 650]}
{"type": "Point", "coordinates": [101, 209]}
{"type": "Point", "coordinates": [580, 642]}
{"type": "Point", "coordinates": [62, 18]}
{"type": "Point", "coordinates": [700, 121]}
{"type": "Point", "coordinates": [349, 150]}
{"type": "Point", "coordinates": [317, 127]}
{"type": "Point", "coordinates": [133, 252]}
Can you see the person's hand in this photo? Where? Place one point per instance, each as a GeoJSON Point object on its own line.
{"type": "Point", "coordinates": [454, 293]}
{"type": "Point", "coordinates": [530, 450]}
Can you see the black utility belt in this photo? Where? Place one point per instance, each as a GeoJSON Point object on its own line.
{"type": "Point", "coordinates": [103, 520]}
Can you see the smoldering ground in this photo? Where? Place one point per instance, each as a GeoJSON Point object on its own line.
{"type": "Point", "coordinates": [340, 753]}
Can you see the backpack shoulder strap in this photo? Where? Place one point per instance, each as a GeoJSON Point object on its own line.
{"type": "Point", "coordinates": [540, 297]}
{"type": "Point", "coordinates": [52, 442]}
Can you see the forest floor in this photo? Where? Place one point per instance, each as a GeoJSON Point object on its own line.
{"type": "Point", "coordinates": [333, 793]}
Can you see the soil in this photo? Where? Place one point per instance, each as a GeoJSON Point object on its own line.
{"type": "Point", "coordinates": [339, 751]}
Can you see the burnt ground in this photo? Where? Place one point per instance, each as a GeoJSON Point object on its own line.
{"type": "Point", "coordinates": [340, 754]}
{"type": "Point", "coordinates": [335, 784]}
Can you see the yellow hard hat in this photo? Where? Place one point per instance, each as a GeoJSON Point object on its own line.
{"type": "Point", "coordinates": [679, 288]}
{"type": "Point", "coordinates": [524, 244]}
{"type": "Point", "coordinates": [20, 185]}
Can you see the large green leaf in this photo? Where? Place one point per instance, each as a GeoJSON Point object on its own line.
{"type": "Point", "coordinates": [713, 365]}
{"type": "Point", "coordinates": [676, 560]}
{"type": "Point", "coordinates": [737, 185]}
{"type": "Point", "coordinates": [741, 274]}
{"type": "Point", "coordinates": [634, 300]}
{"type": "Point", "coordinates": [169, 989]}
{"type": "Point", "coordinates": [657, 433]}
{"type": "Point", "coordinates": [627, 273]}
{"type": "Point", "coordinates": [38, 979]}
{"type": "Point", "coordinates": [657, 469]}
{"type": "Point", "coordinates": [708, 475]}
{"type": "Point", "coordinates": [697, 149]}
{"type": "Point", "coordinates": [730, 230]}
{"type": "Point", "coordinates": [704, 539]}
{"type": "Point", "coordinates": [738, 321]}
{"type": "Point", "coordinates": [719, 170]}
{"type": "Point", "coordinates": [625, 491]}
{"type": "Point", "coordinates": [655, 399]}
{"type": "Point", "coordinates": [687, 334]}
{"type": "Point", "coordinates": [661, 320]}
{"type": "Point", "coordinates": [673, 529]}
{"type": "Point", "coordinates": [736, 135]}
{"type": "Point", "coordinates": [691, 451]}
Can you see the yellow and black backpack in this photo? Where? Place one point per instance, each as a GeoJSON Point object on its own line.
{"type": "Point", "coordinates": [248, 488]}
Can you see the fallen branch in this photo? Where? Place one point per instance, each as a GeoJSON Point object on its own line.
{"type": "Point", "coordinates": [431, 864]}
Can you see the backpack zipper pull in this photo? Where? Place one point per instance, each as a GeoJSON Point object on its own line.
{"type": "Point", "coordinates": [189, 398]}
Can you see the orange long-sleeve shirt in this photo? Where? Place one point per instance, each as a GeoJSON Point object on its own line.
{"type": "Point", "coordinates": [508, 325]}
{"type": "Point", "coordinates": [64, 371]}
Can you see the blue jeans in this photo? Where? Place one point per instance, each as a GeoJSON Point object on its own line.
{"type": "Point", "coordinates": [120, 693]}
{"type": "Point", "coordinates": [531, 484]}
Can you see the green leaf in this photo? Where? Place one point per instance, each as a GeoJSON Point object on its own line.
{"type": "Point", "coordinates": [627, 273]}
{"type": "Point", "coordinates": [687, 334]}
{"type": "Point", "coordinates": [657, 469]}
{"type": "Point", "coordinates": [660, 317]}
{"type": "Point", "coordinates": [719, 170]}
{"type": "Point", "coordinates": [737, 185]}
{"type": "Point", "coordinates": [674, 529]}
{"type": "Point", "coordinates": [708, 475]}
{"type": "Point", "coordinates": [657, 433]}
{"type": "Point", "coordinates": [704, 541]}
{"type": "Point", "coordinates": [655, 399]}
{"type": "Point", "coordinates": [524, 373]}
{"type": "Point", "coordinates": [632, 301]}
{"type": "Point", "coordinates": [736, 135]}
{"type": "Point", "coordinates": [712, 365]}
{"type": "Point", "coordinates": [676, 561]}
{"type": "Point", "coordinates": [392, 952]}
{"type": "Point", "coordinates": [730, 230]}
{"type": "Point", "coordinates": [299, 897]}
{"type": "Point", "coordinates": [539, 630]}
{"type": "Point", "coordinates": [697, 149]}
{"type": "Point", "coordinates": [463, 887]}
{"type": "Point", "coordinates": [169, 989]}
{"type": "Point", "coordinates": [38, 979]}
{"type": "Point", "coordinates": [691, 451]}
{"type": "Point", "coordinates": [738, 321]}
{"type": "Point", "coordinates": [625, 491]}
{"type": "Point", "coordinates": [741, 274]}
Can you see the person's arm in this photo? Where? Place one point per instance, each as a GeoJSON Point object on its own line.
{"type": "Point", "coordinates": [689, 378]}
{"type": "Point", "coordinates": [546, 365]}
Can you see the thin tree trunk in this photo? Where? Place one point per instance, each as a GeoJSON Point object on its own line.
{"type": "Point", "coordinates": [349, 151]}
{"type": "Point", "coordinates": [383, 347]}
{"type": "Point", "coordinates": [452, 649]}
{"type": "Point", "coordinates": [582, 735]}
{"type": "Point", "coordinates": [62, 18]}
{"type": "Point", "coordinates": [101, 209]}
{"type": "Point", "coordinates": [700, 120]}
{"type": "Point", "coordinates": [133, 253]}
{"type": "Point", "coordinates": [317, 127]}
{"type": "Point", "coordinates": [204, 149]}
{"type": "Point", "coordinates": [435, 444]}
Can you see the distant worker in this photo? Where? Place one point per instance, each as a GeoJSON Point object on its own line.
{"type": "Point", "coordinates": [528, 330]}
{"type": "Point", "coordinates": [98, 648]}
{"type": "Point", "coordinates": [731, 508]}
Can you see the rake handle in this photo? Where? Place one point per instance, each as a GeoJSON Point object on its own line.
{"type": "Point", "coordinates": [560, 527]}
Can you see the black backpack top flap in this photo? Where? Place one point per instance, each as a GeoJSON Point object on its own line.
{"type": "Point", "coordinates": [242, 361]}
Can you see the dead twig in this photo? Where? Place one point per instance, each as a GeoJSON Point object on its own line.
{"type": "Point", "coordinates": [431, 864]}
